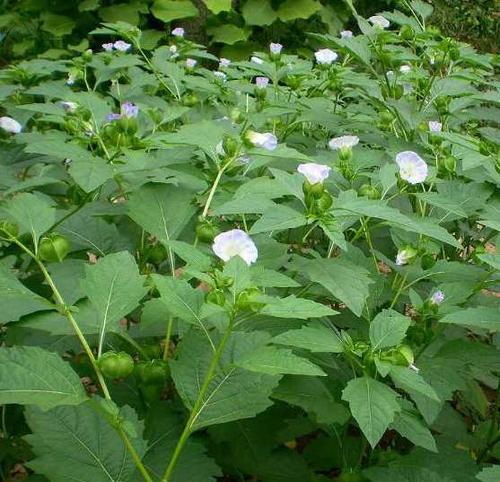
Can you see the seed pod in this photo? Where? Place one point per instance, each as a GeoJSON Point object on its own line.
{"type": "Point", "coordinates": [53, 248]}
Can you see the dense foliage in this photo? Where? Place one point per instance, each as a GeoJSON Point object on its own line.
{"type": "Point", "coordinates": [280, 269]}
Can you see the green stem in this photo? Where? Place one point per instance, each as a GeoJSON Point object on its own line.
{"type": "Point", "coordinates": [168, 335]}
{"type": "Point", "coordinates": [398, 294]}
{"type": "Point", "coordinates": [135, 456]}
{"type": "Point", "coordinates": [198, 404]}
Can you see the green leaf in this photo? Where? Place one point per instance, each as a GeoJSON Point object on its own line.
{"type": "Point", "coordinates": [77, 443]}
{"type": "Point", "coordinates": [313, 396]}
{"type": "Point", "coordinates": [258, 12]}
{"type": "Point", "coordinates": [218, 6]}
{"type": "Point", "coordinates": [347, 281]}
{"type": "Point", "coordinates": [373, 405]}
{"type": "Point", "coordinates": [292, 307]}
{"type": "Point", "coordinates": [278, 218]}
{"type": "Point", "coordinates": [492, 259]}
{"type": "Point", "coordinates": [422, 8]}
{"type": "Point", "coordinates": [278, 361]}
{"type": "Point", "coordinates": [234, 393]}
{"type": "Point", "coordinates": [168, 10]}
{"type": "Point", "coordinates": [409, 380]}
{"type": "Point", "coordinates": [489, 474]}
{"type": "Point", "coordinates": [34, 214]}
{"type": "Point", "coordinates": [316, 338]}
{"type": "Point", "coordinates": [294, 9]}
{"type": "Point", "coordinates": [34, 376]}
{"type": "Point", "coordinates": [57, 25]}
{"type": "Point", "coordinates": [15, 299]}
{"type": "Point", "coordinates": [228, 34]}
{"type": "Point", "coordinates": [387, 329]}
{"type": "Point", "coordinates": [114, 287]}
{"type": "Point", "coordinates": [91, 173]}
{"type": "Point", "coordinates": [163, 210]}
{"type": "Point", "coordinates": [481, 317]}
{"type": "Point", "coordinates": [410, 426]}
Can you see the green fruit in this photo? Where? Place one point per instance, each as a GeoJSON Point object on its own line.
{"type": "Point", "coordinates": [248, 300]}
{"type": "Point", "coordinates": [152, 351]}
{"type": "Point", "coordinates": [189, 100]}
{"type": "Point", "coordinates": [216, 297]}
{"type": "Point", "coordinates": [315, 190]}
{"type": "Point", "coordinates": [450, 164]}
{"type": "Point", "coordinates": [206, 232]}
{"type": "Point", "coordinates": [427, 261]}
{"type": "Point", "coordinates": [116, 365]}
{"type": "Point", "coordinates": [369, 191]}
{"type": "Point", "coordinates": [9, 229]}
{"type": "Point", "coordinates": [324, 202]}
{"type": "Point", "coordinates": [236, 116]}
{"type": "Point", "coordinates": [153, 372]}
{"type": "Point", "coordinates": [405, 355]}
{"type": "Point", "coordinates": [157, 254]}
{"type": "Point", "coordinates": [53, 248]}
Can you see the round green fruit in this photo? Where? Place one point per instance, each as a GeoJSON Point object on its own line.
{"type": "Point", "coordinates": [206, 232]}
{"type": "Point", "coordinates": [116, 365]}
{"type": "Point", "coordinates": [53, 248]}
{"type": "Point", "coordinates": [152, 372]}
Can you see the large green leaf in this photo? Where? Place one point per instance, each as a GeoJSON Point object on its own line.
{"type": "Point", "coordinates": [114, 287]}
{"type": "Point", "coordinates": [482, 317]}
{"type": "Point", "coordinates": [278, 218]}
{"type": "Point", "coordinates": [294, 9]}
{"type": "Point", "coordinates": [163, 210]}
{"type": "Point", "coordinates": [34, 376]}
{"type": "Point", "coordinates": [228, 34]}
{"type": "Point", "coordinates": [77, 443]}
{"type": "Point", "coordinates": [292, 307]}
{"type": "Point", "coordinates": [410, 381]}
{"type": "Point", "coordinates": [234, 393]}
{"type": "Point", "coordinates": [258, 12]}
{"type": "Point", "coordinates": [217, 6]}
{"type": "Point", "coordinates": [373, 405]}
{"type": "Point", "coordinates": [316, 338]}
{"type": "Point", "coordinates": [411, 426]}
{"type": "Point", "coordinates": [489, 474]}
{"type": "Point", "coordinates": [168, 10]}
{"type": "Point", "coordinates": [387, 329]}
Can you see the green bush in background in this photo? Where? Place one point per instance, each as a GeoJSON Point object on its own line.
{"type": "Point", "coordinates": [232, 28]}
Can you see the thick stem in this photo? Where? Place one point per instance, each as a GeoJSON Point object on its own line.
{"type": "Point", "coordinates": [198, 404]}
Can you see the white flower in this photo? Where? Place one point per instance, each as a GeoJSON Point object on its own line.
{"type": "Point", "coordinates": [70, 80]}
{"type": "Point", "coordinates": [437, 297]}
{"type": "Point", "coordinates": [389, 73]}
{"type": "Point", "coordinates": [404, 69]}
{"type": "Point", "coordinates": [235, 243]}
{"type": "Point", "coordinates": [412, 167]}
{"type": "Point", "coordinates": [435, 126]}
{"type": "Point", "coordinates": [191, 63]}
{"type": "Point", "coordinates": [178, 32]}
{"type": "Point", "coordinates": [220, 76]}
{"type": "Point", "coordinates": [325, 56]}
{"type": "Point", "coordinates": [261, 82]}
{"type": "Point", "coordinates": [346, 34]}
{"type": "Point", "coordinates": [313, 172]}
{"type": "Point", "coordinates": [275, 48]}
{"type": "Point", "coordinates": [108, 47]}
{"type": "Point", "coordinates": [343, 142]}
{"type": "Point", "coordinates": [121, 46]}
{"type": "Point", "coordinates": [224, 63]}
{"type": "Point", "coordinates": [405, 255]}
{"type": "Point", "coordinates": [68, 106]}
{"type": "Point", "coordinates": [379, 21]}
{"type": "Point", "coordinates": [256, 60]}
{"type": "Point", "coordinates": [173, 49]}
{"type": "Point", "coordinates": [10, 125]}
{"type": "Point", "coordinates": [267, 140]}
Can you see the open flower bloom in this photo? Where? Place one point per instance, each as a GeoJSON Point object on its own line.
{"type": "Point", "coordinates": [343, 142]}
{"type": "Point", "coordinates": [405, 255]}
{"type": "Point", "coordinates": [129, 110]}
{"type": "Point", "coordinates": [325, 56]}
{"type": "Point", "coordinates": [275, 48]}
{"type": "Point", "coordinates": [256, 60]}
{"type": "Point", "coordinates": [437, 297]}
{"type": "Point", "coordinates": [261, 82]}
{"type": "Point", "coordinates": [235, 243]}
{"type": "Point", "coordinates": [379, 21]}
{"type": "Point", "coordinates": [68, 106]}
{"type": "Point", "coordinates": [412, 168]}
{"type": "Point", "coordinates": [435, 126]}
{"type": "Point", "coordinates": [220, 76]}
{"type": "Point", "coordinates": [224, 63]}
{"type": "Point", "coordinates": [121, 46]}
{"type": "Point", "coordinates": [178, 32]}
{"type": "Point", "coordinates": [10, 125]}
{"type": "Point", "coordinates": [313, 172]}
{"type": "Point", "coordinates": [108, 47]}
{"type": "Point", "coordinates": [191, 63]}
{"type": "Point", "coordinates": [404, 69]}
{"type": "Point", "coordinates": [266, 140]}
{"type": "Point", "coordinates": [346, 34]}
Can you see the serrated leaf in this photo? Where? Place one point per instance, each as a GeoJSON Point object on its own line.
{"type": "Point", "coordinates": [373, 405]}
{"type": "Point", "coordinates": [258, 12]}
{"type": "Point", "coordinates": [316, 338]}
{"type": "Point", "coordinates": [114, 287]}
{"type": "Point", "coordinates": [168, 10]}
{"type": "Point", "coordinates": [482, 317]}
{"type": "Point", "coordinates": [34, 376]}
{"type": "Point", "coordinates": [410, 381]}
{"type": "Point", "coordinates": [410, 426]}
{"type": "Point", "coordinates": [387, 329]}
{"type": "Point", "coordinates": [279, 361]}
{"type": "Point", "coordinates": [76, 443]}
{"type": "Point", "coordinates": [293, 307]}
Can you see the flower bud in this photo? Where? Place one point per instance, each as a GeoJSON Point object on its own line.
{"type": "Point", "coordinates": [406, 255]}
{"type": "Point", "coordinates": [450, 164]}
{"type": "Point", "coordinates": [406, 356]}
{"type": "Point", "coordinates": [315, 190]}
{"type": "Point", "coordinates": [216, 297]}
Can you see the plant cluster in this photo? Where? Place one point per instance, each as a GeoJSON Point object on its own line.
{"type": "Point", "coordinates": [278, 269]}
